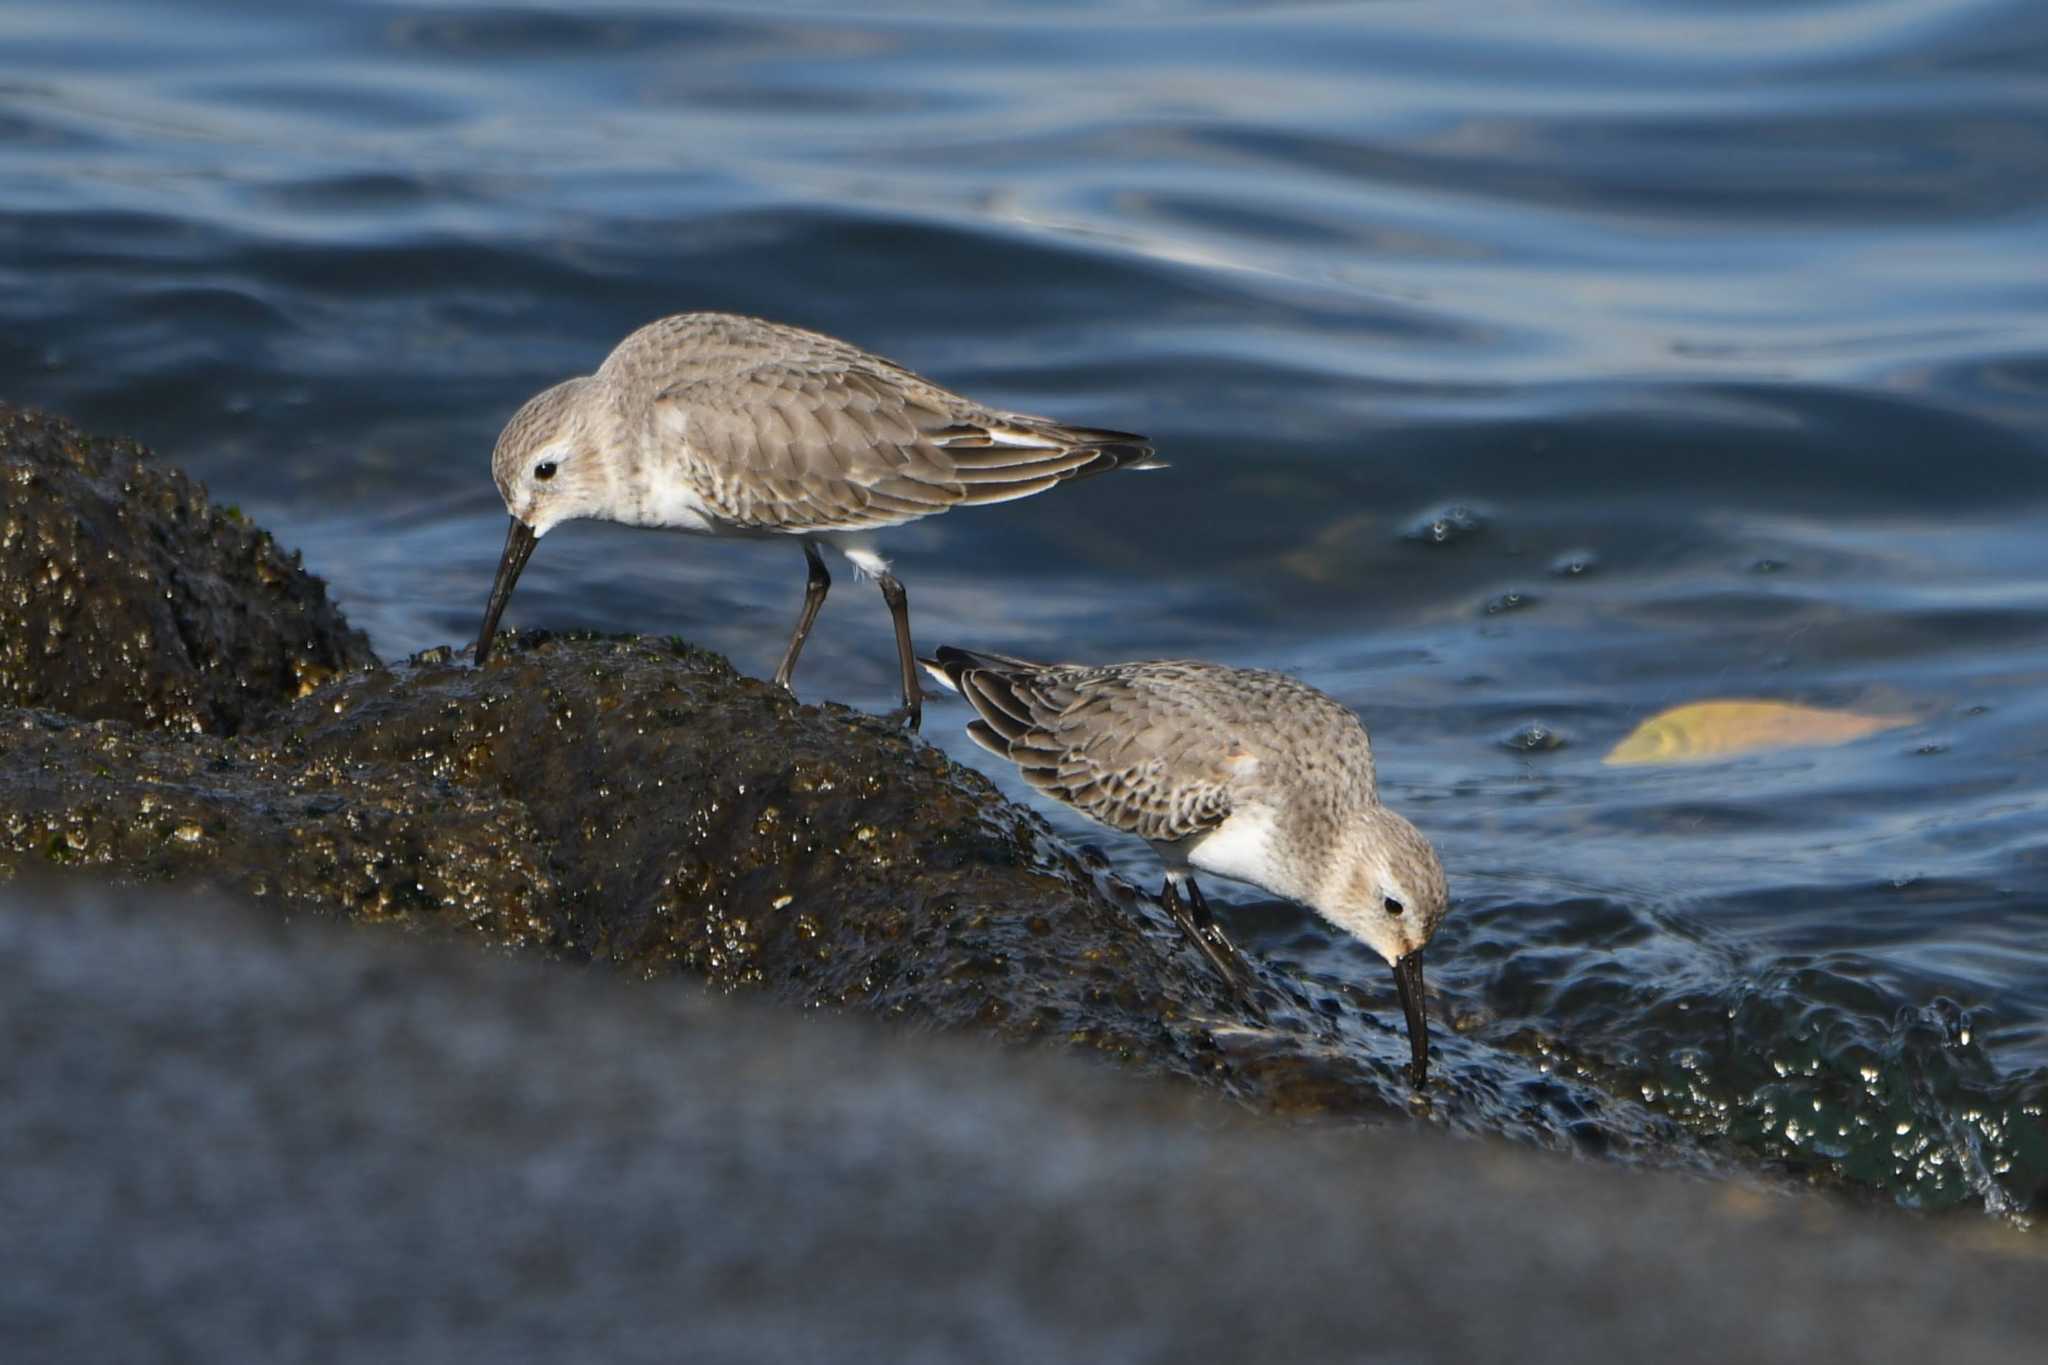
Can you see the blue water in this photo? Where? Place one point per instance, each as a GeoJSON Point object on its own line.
{"type": "Point", "coordinates": [1714, 335]}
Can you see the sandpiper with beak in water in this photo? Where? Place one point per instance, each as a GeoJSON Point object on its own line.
{"type": "Point", "coordinates": [730, 426]}
{"type": "Point", "coordinates": [1238, 772]}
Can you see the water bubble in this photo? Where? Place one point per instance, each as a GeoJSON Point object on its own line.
{"type": "Point", "coordinates": [1574, 564]}
{"type": "Point", "coordinates": [1533, 738]}
{"type": "Point", "coordinates": [1951, 1018]}
{"type": "Point", "coordinates": [1446, 525]}
{"type": "Point", "coordinates": [1510, 600]}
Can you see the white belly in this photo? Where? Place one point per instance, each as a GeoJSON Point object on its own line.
{"type": "Point", "coordinates": [676, 505]}
{"type": "Point", "coordinates": [1241, 848]}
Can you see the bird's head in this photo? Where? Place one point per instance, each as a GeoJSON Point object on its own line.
{"type": "Point", "coordinates": [548, 467]}
{"type": "Point", "coordinates": [1392, 893]}
{"type": "Point", "coordinates": [547, 463]}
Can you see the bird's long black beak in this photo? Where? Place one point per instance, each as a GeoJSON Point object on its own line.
{"type": "Point", "coordinates": [519, 542]}
{"type": "Point", "coordinates": [1408, 981]}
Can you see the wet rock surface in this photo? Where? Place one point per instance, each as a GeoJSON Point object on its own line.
{"type": "Point", "coordinates": [197, 712]}
{"type": "Point", "coordinates": [639, 803]}
{"type": "Point", "coordinates": [125, 594]}
{"type": "Point", "coordinates": [224, 1138]}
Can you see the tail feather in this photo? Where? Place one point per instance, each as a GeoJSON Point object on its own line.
{"type": "Point", "coordinates": [990, 683]}
{"type": "Point", "coordinates": [1015, 440]}
{"type": "Point", "coordinates": [982, 495]}
{"type": "Point", "coordinates": [1113, 449]}
{"type": "Point", "coordinates": [948, 663]}
{"type": "Point", "coordinates": [997, 701]}
{"type": "Point", "coordinates": [981, 734]}
{"type": "Point", "coordinates": [1014, 468]}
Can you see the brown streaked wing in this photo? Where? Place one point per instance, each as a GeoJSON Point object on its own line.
{"type": "Point", "coordinates": [1119, 754]}
{"type": "Point", "coordinates": [791, 447]}
{"type": "Point", "coordinates": [784, 448]}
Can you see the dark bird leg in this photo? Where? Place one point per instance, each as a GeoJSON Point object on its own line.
{"type": "Point", "coordinates": [814, 597]}
{"type": "Point", "coordinates": [899, 608]}
{"type": "Point", "coordinates": [1201, 929]}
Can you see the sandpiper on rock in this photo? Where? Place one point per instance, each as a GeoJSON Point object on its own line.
{"type": "Point", "coordinates": [731, 426]}
{"type": "Point", "coordinates": [1246, 774]}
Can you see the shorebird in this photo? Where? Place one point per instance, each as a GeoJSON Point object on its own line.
{"type": "Point", "coordinates": [731, 426]}
{"type": "Point", "coordinates": [1245, 774]}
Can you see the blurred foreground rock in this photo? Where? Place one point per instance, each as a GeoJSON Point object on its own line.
{"type": "Point", "coordinates": [125, 594]}
{"type": "Point", "coordinates": [224, 1138]}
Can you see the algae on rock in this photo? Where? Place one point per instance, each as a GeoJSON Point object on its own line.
{"type": "Point", "coordinates": [125, 595]}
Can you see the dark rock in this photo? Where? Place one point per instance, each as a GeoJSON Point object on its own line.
{"type": "Point", "coordinates": [635, 802]}
{"type": "Point", "coordinates": [269, 821]}
{"type": "Point", "coordinates": [125, 595]}
{"type": "Point", "coordinates": [227, 1140]}
{"type": "Point", "coordinates": [624, 802]}
{"type": "Point", "coordinates": [639, 803]}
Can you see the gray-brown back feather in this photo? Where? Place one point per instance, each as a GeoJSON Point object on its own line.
{"type": "Point", "coordinates": [1162, 749]}
{"type": "Point", "coordinates": [786, 429]}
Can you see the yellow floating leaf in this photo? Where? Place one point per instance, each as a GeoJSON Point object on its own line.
{"type": "Point", "coordinates": [1722, 729]}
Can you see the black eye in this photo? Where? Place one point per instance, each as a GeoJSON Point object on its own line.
{"type": "Point", "coordinates": [544, 471]}
{"type": "Point", "coordinates": [1394, 907]}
